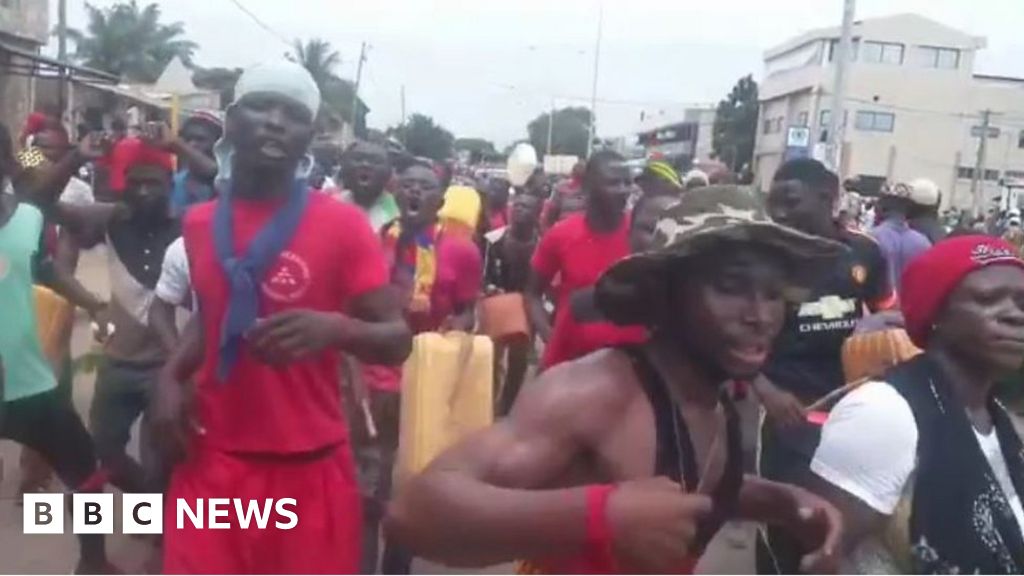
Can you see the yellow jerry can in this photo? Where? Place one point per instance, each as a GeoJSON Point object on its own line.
{"type": "Point", "coordinates": [447, 389]}
{"type": "Point", "coordinates": [55, 318]}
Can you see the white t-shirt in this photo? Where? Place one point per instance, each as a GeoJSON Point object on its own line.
{"type": "Point", "coordinates": [175, 283]}
{"type": "Point", "coordinates": [869, 449]}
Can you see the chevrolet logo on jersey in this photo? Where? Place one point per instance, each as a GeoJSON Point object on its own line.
{"type": "Point", "coordinates": [828, 308]}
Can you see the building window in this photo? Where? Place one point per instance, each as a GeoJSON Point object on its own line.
{"type": "Point", "coordinates": [882, 53]}
{"type": "Point", "coordinates": [767, 128]}
{"type": "Point", "coordinates": [1014, 175]}
{"type": "Point", "coordinates": [942, 58]}
{"type": "Point", "coordinates": [967, 173]}
{"type": "Point", "coordinates": [801, 119]}
{"type": "Point", "coordinates": [833, 47]}
{"type": "Point", "coordinates": [874, 121]}
{"type": "Point", "coordinates": [1020, 139]}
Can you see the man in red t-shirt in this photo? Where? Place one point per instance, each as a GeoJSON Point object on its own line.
{"type": "Point", "coordinates": [285, 278]}
{"type": "Point", "coordinates": [578, 250]}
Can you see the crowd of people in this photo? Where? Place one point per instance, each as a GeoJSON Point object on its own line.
{"type": "Point", "coordinates": [655, 303]}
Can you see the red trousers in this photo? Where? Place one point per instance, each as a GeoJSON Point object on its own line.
{"type": "Point", "coordinates": [326, 539]}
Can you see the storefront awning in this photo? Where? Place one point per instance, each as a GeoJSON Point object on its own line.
{"type": "Point", "coordinates": [29, 63]}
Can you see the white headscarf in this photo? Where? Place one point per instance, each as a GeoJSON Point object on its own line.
{"type": "Point", "coordinates": [281, 77]}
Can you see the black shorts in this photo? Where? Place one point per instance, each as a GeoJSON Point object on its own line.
{"type": "Point", "coordinates": [49, 425]}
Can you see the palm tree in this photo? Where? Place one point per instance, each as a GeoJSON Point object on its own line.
{"type": "Point", "coordinates": [130, 41]}
{"type": "Point", "coordinates": [320, 58]}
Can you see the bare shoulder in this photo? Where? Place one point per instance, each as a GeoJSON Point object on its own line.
{"type": "Point", "coordinates": [585, 394]}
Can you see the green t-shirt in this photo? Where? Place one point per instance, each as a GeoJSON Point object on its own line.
{"type": "Point", "coordinates": [26, 371]}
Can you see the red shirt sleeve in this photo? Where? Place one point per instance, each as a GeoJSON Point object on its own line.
{"type": "Point", "coordinates": [469, 272]}
{"type": "Point", "coordinates": [547, 260]}
{"type": "Point", "coordinates": [364, 267]}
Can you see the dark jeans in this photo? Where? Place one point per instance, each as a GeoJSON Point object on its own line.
{"type": "Point", "coordinates": [784, 456]}
{"type": "Point", "coordinates": [516, 356]}
{"type": "Point", "coordinates": [122, 395]}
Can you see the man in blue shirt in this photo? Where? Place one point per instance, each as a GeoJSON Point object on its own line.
{"type": "Point", "coordinates": [899, 242]}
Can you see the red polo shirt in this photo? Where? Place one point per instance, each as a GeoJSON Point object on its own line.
{"type": "Point", "coordinates": [334, 257]}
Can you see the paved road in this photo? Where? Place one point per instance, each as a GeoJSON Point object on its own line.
{"type": "Point", "coordinates": [731, 553]}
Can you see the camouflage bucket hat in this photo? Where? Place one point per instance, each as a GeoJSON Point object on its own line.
{"type": "Point", "coordinates": [703, 220]}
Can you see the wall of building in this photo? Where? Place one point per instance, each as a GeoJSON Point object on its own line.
{"type": "Point", "coordinates": [27, 20]}
{"type": "Point", "coordinates": [24, 24]}
{"type": "Point", "coordinates": [922, 116]}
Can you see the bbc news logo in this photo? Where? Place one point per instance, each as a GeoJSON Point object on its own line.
{"type": "Point", "coordinates": [144, 513]}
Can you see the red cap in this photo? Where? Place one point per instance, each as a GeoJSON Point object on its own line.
{"type": "Point", "coordinates": [932, 276]}
{"type": "Point", "coordinates": [130, 152]}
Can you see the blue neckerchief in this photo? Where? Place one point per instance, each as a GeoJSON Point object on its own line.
{"type": "Point", "coordinates": [245, 273]}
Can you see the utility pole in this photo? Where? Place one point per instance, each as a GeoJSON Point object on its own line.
{"type": "Point", "coordinates": [593, 90]}
{"type": "Point", "coordinates": [841, 59]}
{"type": "Point", "coordinates": [355, 92]}
{"type": "Point", "coordinates": [551, 125]}
{"type": "Point", "coordinates": [403, 115]}
{"type": "Point", "coordinates": [62, 51]}
{"type": "Point", "coordinates": [979, 163]}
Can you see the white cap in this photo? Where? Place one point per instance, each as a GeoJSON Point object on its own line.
{"type": "Point", "coordinates": [924, 192]}
{"type": "Point", "coordinates": [280, 77]}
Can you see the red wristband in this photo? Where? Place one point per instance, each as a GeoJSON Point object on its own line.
{"type": "Point", "coordinates": [599, 532]}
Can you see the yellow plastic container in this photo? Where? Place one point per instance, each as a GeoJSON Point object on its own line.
{"type": "Point", "coordinates": [462, 206]}
{"type": "Point", "coordinates": [447, 385]}
{"type": "Point", "coordinates": [55, 318]}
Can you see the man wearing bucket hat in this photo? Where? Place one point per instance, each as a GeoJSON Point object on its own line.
{"type": "Point", "coordinates": [629, 459]}
{"type": "Point", "coordinates": [924, 462]}
{"type": "Point", "coordinates": [899, 242]}
{"type": "Point", "coordinates": [284, 278]}
{"type": "Point", "coordinates": [806, 361]}
{"type": "Point", "coordinates": [925, 198]}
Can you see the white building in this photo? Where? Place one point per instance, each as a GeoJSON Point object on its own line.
{"type": "Point", "coordinates": [912, 101]}
{"type": "Point", "coordinates": [683, 132]}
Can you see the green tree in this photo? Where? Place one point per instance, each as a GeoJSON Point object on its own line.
{"type": "Point", "coordinates": [130, 41]}
{"type": "Point", "coordinates": [569, 133]}
{"type": "Point", "coordinates": [478, 148]}
{"type": "Point", "coordinates": [322, 61]}
{"type": "Point", "coordinates": [423, 137]}
{"type": "Point", "coordinates": [736, 125]}
{"type": "Point", "coordinates": [320, 58]}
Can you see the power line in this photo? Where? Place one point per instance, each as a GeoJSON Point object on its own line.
{"type": "Point", "coordinates": [238, 4]}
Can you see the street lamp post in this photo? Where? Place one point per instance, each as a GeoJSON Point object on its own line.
{"type": "Point", "coordinates": [597, 66]}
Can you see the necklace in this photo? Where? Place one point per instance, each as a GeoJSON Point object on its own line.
{"type": "Point", "coordinates": [677, 427]}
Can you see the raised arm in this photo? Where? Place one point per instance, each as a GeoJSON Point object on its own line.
{"type": "Point", "coordinates": [158, 134]}
{"type": "Point", "coordinates": [47, 188]}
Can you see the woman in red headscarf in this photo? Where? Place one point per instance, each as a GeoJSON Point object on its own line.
{"type": "Point", "coordinates": [926, 464]}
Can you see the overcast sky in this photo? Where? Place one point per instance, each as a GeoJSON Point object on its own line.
{"type": "Point", "coordinates": [486, 68]}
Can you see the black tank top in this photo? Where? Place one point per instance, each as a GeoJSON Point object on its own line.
{"type": "Point", "coordinates": [683, 467]}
